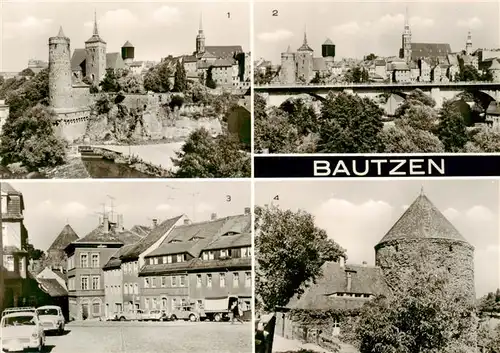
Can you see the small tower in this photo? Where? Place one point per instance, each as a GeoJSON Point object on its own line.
{"type": "Point", "coordinates": [287, 71]}
{"type": "Point", "coordinates": [405, 52]}
{"type": "Point", "coordinates": [328, 49]}
{"type": "Point", "coordinates": [200, 39]}
{"type": "Point", "coordinates": [60, 85]}
{"type": "Point", "coordinates": [304, 61]}
{"type": "Point", "coordinates": [128, 53]}
{"type": "Point", "coordinates": [96, 55]}
{"type": "Point", "coordinates": [468, 44]}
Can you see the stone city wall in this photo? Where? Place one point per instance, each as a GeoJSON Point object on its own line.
{"type": "Point", "coordinates": [73, 125]}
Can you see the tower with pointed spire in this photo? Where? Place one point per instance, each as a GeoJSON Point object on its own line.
{"type": "Point", "coordinates": [200, 39]}
{"type": "Point", "coordinates": [95, 48]}
{"type": "Point", "coordinates": [287, 72]}
{"type": "Point", "coordinates": [304, 61]}
{"type": "Point", "coordinates": [468, 44]}
{"type": "Point", "coordinates": [405, 51]}
{"type": "Point", "coordinates": [60, 85]}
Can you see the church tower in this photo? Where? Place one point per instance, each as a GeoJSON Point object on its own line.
{"type": "Point", "coordinates": [60, 85]}
{"type": "Point", "coordinates": [468, 44]}
{"type": "Point", "coordinates": [96, 56]}
{"type": "Point", "coordinates": [304, 61]}
{"type": "Point", "coordinates": [405, 52]}
{"type": "Point", "coordinates": [287, 70]}
{"type": "Point", "coordinates": [200, 39]}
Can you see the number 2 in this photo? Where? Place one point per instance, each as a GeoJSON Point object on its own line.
{"type": "Point", "coordinates": [275, 12]}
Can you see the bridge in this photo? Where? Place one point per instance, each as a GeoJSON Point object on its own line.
{"type": "Point", "coordinates": [485, 91]}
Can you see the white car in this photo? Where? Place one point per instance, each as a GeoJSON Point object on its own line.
{"type": "Point", "coordinates": [52, 318]}
{"type": "Point", "coordinates": [20, 331]}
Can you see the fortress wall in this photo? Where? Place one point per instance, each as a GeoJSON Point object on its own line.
{"type": "Point", "coordinates": [82, 96]}
{"type": "Point", "coordinates": [73, 125]}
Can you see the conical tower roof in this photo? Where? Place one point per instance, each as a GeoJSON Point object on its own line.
{"type": "Point", "coordinates": [127, 45]}
{"type": "Point", "coordinates": [328, 41]}
{"type": "Point", "coordinates": [61, 33]}
{"type": "Point", "coordinates": [95, 33]}
{"type": "Point", "coordinates": [422, 220]}
{"type": "Point", "coordinates": [67, 236]}
{"type": "Point", "coordinates": [305, 46]}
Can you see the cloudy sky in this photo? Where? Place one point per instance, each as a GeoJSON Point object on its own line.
{"type": "Point", "coordinates": [357, 214]}
{"type": "Point", "coordinates": [51, 205]}
{"type": "Point", "coordinates": [156, 29]}
{"type": "Point", "coordinates": [359, 28]}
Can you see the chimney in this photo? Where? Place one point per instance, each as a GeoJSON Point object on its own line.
{"type": "Point", "coordinates": [247, 210]}
{"type": "Point", "coordinates": [213, 217]}
{"type": "Point", "coordinates": [364, 263]}
{"type": "Point", "coordinates": [155, 222]}
{"type": "Point", "coordinates": [187, 221]}
{"type": "Point", "coordinates": [348, 275]}
{"type": "Point", "coordinates": [342, 261]}
{"type": "Point", "coordinates": [105, 224]}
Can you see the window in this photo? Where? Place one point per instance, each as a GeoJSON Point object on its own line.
{"type": "Point", "coordinates": [248, 279]}
{"type": "Point", "coordinates": [174, 303]}
{"type": "Point", "coordinates": [84, 260]}
{"type": "Point", "coordinates": [163, 303]}
{"type": "Point", "coordinates": [182, 281]}
{"type": "Point", "coordinates": [8, 262]}
{"type": "Point", "coordinates": [180, 258]}
{"type": "Point", "coordinates": [84, 282]}
{"type": "Point", "coordinates": [236, 279]}
{"type": "Point", "coordinates": [95, 260]}
{"type": "Point", "coordinates": [209, 280]}
{"type": "Point", "coordinates": [223, 253]}
{"type": "Point", "coordinates": [146, 282]}
{"type": "Point", "coordinates": [136, 267]}
{"type": "Point", "coordinates": [155, 261]}
{"type": "Point", "coordinates": [96, 308]}
{"type": "Point", "coordinates": [153, 282]}
{"type": "Point", "coordinates": [154, 303]}
{"type": "Point", "coordinates": [222, 279]}
{"type": "Point", "coordinates": [174, 281]}
{"type": "Point", "coordinates": [198, 281]}
{"type": "Point", "coordinates": [169, 259]}
{"type": "Point", "coordinates": [245, 252]}
{"type": "Point", "coordinates": [125, 288]}
{"type": "Point", "coordinates": [205, 255]}
{"type": "Point", "coordinates": [136, 288]}
{"type": "Point", "coordinates": [146, 303]}
{"type": "Point", "coordinates": [211, 255]}
{"type": "Point", "coordinates": [163, 281]}
{"type": "Point", "coordinates": [164, 259]}
{"type": "Point", "coordinates": [96, 282]}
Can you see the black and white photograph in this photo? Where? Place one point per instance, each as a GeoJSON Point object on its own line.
{"type": "Point", "coordinates": [125, 89]}
{"type": "Point", "coordinates": [377, 266]}
{"type": "Point", "coordinates": [126, 267]}
{"type": "Point", "coordinates": [376, 77]}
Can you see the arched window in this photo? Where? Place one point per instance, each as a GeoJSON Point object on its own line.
{"type": "Point", "coordinates": [451, 248]}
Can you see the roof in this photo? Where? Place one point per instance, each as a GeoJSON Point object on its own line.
{"type": "Point", "coordinates": [8, 189]}
{"type": "Point", "coordinates": [367, 280]}
{"type": "Point", "coordinates": [99, 236]}
{"type": "Point", "coordinates": [495, 65]}
{"type": "Point", "coordinates": [114, 261]}
{"type": "Point", "coordinates": [429, 50]}
{"type": "Point", "coordinates": [196, 265]}
{"type": "Point", "coordinates": [190, 59]}
{"type": "Point", "coordinates": [10, 250]}
{"type": "Point", "coordinates": [399, 65]}
{"type": "Point", "coordinates": [493, 108]}
{"type": "Point", "coordinates": [150, 239]}
{"type": "Point", "coordinates": [60, 274]}
{"type": "Point", "coordinates": [203, 65]}
{"type": "Point", "coordinates": [224, 51]}
{"type": "Point", "coordinates": [65, 237]}
{"type": "Point", "coordinates": [79, 56]}
{"type": "Point", "coordinates": [223, 63]}
{"type": "Point", "coordinates": [230, 241]}
{"type": "Point", "coordinates": [422, 220]}
{"type": "Point", "coordinates": [141, 230]}
{"type": "Point", "coordinates": [328, 41]}
{"type": "Point", "coordinates": [52, 287]}
{"type": "Point", "coordinates": [114, 61]}
{"type": "Point", "coordinates": [127, 45]}
{"type": "Point", "coordinates": [319, 64]}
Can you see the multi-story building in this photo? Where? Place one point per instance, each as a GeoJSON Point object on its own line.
{"type": "Point", "coordinates": [199, 252]}
{"type": "Point", "coordinates": [86, 258]}
{"type": "Point", "coordinates": [113, 283]}
{"type": "Point", "coordinates": [225, 72]}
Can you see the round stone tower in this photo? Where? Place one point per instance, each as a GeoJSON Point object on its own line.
{"type": "Point", "coordinates": [60, 85]}
{"type": "Point", "coordinates": [96, 56]}
{"type": "Point", "coordinates": [287, 71]}
{"type": "Point", "coordinates": [128, 53]}
{"type": "Point", "coordinates": [422, 225]}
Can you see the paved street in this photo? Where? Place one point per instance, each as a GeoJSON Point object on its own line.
{"type": "Point", "coordinates": [151, 337]}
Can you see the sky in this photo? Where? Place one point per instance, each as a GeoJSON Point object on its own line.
{"type": "Point", "coordinates": [359, 28]}
{"type": "Point", "coordinates": [156, 29]}
{"type": "Point", "coordinates": [49, 205]}
{"type": "Point", "coordinates": [357, 214]}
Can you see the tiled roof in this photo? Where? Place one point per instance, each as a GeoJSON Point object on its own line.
{"type": "Point", "coordinates": [495, 65]}
{"type": "Point", "coordinates": [127, 237]}
{"type": "Point", "coordinates": [64, 238]}
{"type": "Point", "coordinates": [60, 275]}
{"type": "Point", "coordinates": [195, 265]}
{"type": "Point", "coordinates": [166, 268]}
{"type": "Point", "coordinates": [223, 63]}
{"type": "Point", "coordinates": [453, 59]}
{"type": "Point", "coordinates": [328, 41]}
{"type": "Point", "coordinates": [429, 50]}
{"type": "Point", "coordinates": [399, 65]}
{"type": "Point", "coordinates": [99, 236]}
{"type": "Point", "coordinates": [422, 220]}
{"type": "Point", "coordinates": [203, 65]}
{"type": "Point", "coordinates": [379, 62]}
{"type": "Point", "coordinates": [319, 64]}
{"type": "Point", "coordinates": [190, 59]}
{"type": "Point", "coordinates": [150, 239]}
{"type": "Point", "coordinates": [8, 189]}
{"type": "Point", "coordinates": [230, 241]}
{"type": "Point", "coordinates": [127, 45]}
{"type": "Point", "coordinates": [141, 230]}
{"type": "Point", "coordinates": [52, 287]}
{"type": "Point", "coordinates": [79, 55]}
{"type": "Point", "coordinates": [224, 51]}
{"type": "Point", "coordinates": [114, 61]}
{"type": "Point", "coordinates": [364, 280]}
{"type": "Point", "coordinates": [114, 261]}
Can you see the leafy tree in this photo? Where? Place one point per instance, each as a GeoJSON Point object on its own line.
{"type": "Point", "coordinates": [468, 73]}
{"type": "Point", "coordinates": [28, 93]}
{"type": "Point", "coordinates": [27, 72]}
{"type": "Point", "coordinates": [110, 82]}
{"type": "Point", "coordinates": [204, 156]}
{"type": "Point", "coordinates": [301, 114]}
{"type": "Point", "coordinates": [157, 79]}
{"type": "Point", "coordinates": [487, 76]}
{"type": "Point", "coordinates": [350, 124]}
{"type": "Point", "coordinates": [490, 303]}
{"type": "Point", "coordinates": [357, 75]}
{"type": "Point", "coordinates": [176, 101]}
{"type": "Point", "coordinates": [2, 80]}
{"type": "Point", "coordinates": [31, 140]}
{"type": "Point", "coordinates": [316, 79]}
{"type": "Point", "coordinates": [427, 313]}
{"type": "Point", "coordinates": [11, 85]}
{"type": "Point", "coordinates": [210, 83]}
{"type": "Point", "coordinates": [484, 141]}
{"type": "Point", "coordinates": [131, 83]}
{"type": "Point", "coordinates": [452, 130]}
{"type": "Point", "coordinates": [262, 78]}
{"type": "Point", "coordinates": [180, 83]}
{"type": "Point", "coordinates": [406, 139]}
{"type": "Point", "coordinates": [103, 104]}
{"type": "Point", "coordinates": [290, 253]}
{"type": "Point", "coordinates": [370, 57]}
{"type": "Point", "coordinates": [489, 339]}
{"type": "Point", "coordinates": [33, 253]}
{"type": "Point", "coordinates": [419, 117]}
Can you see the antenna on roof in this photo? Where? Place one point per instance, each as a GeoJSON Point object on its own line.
{"type": "Point", "coordinates": [422, 190]}
{"type": "Point", "coordinates": [112, 206]}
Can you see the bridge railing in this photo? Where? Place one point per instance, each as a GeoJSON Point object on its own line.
{"type": "Point", "coordinates": [375, 84]}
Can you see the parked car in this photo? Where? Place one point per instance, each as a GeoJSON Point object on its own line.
{"type": "Point", "coordinates": [20, 331]}
{"type": "Point", "coordinates": [130, 315]}
{"type": "Point", "coordinates": [19, 309]}
{"type": "Point", "coordinates": [184, 313]}
{"type": "Point", "coordinates": [52, 318]}
{"type": "Point", "coordinates": [156, 315]}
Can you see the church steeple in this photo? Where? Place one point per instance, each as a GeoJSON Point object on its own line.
{"type": "Point", "coordinates": [405, 52]}
{"type": "Point", "coordinates": [305, 46]}
{"type": "Point", "coordinates": [200, 38]}
{"type": "Point", "coordinates": [96, 30]}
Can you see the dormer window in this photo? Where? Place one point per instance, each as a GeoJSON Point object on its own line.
{"type": "Point", "coordinates": [223, 253]}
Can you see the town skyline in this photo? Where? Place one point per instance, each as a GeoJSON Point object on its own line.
{"type": "Point", "coordinates": [28, 26]}
{"type": "Point", "coordinates": [362, 212]}
{"type": "Point", "coordinates": [362, 28]}
{"type": "Point", "coordinates": [49, 206]}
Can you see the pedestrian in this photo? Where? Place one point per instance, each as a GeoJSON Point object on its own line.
{"type": "Point", "coordinates": [236, 312]}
